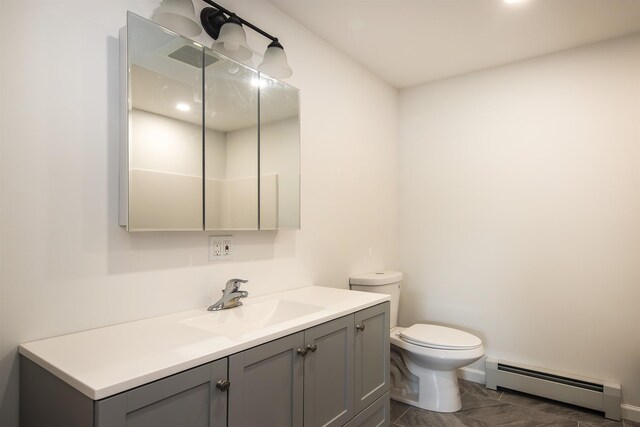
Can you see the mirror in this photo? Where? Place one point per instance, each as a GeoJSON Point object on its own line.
{"type": "Point", "coordinates": [231, 146]}
{"type": "Point", "coordinates": [207, 143]}
{"type": "Point", "coordinates": [164, 167]}
{"type": "Point", "coordinates": [279, 155]}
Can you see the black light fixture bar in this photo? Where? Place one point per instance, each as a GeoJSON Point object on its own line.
{"type": "Point", "coordinates": [212, 20]}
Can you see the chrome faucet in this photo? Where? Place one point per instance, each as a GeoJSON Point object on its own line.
{"type": "Point", "coordinates": [230, 296]}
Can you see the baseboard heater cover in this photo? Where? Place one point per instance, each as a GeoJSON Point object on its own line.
{"type": "Point", "coordinates": [589, 393]}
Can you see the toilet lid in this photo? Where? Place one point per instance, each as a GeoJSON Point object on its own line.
{"type": "Point", "coordinates": [439, 337]}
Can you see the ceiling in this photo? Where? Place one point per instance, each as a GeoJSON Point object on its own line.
{"type": "Point", "coordinates": [409, 42]}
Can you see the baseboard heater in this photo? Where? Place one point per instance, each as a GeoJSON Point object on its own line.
{"type": "Point", "coordinates": [599, 395]}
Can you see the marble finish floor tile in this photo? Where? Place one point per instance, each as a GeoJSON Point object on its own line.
{"type": "Point", "coordinates": [506, 414]}
{"type": "Point", "coordinates": [482, 407]}
{"type": "Point", "coordinates": [398, 409]}
{"type": "Point", "coordinates": [585, 417]}
{"type": "Point", "coordinates": [476, 388]}
{"type": "Point", "coordinates": [472, 401]}
{"type": "Point", "coordinates": [415, 417]}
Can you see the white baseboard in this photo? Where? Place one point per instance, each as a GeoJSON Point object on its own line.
{"type": "Point", "coordinates": [630, 412]}
{"type": "Point", "coordinates": [471, 374]}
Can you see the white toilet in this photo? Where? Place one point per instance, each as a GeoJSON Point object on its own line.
{"type": "Point", "coordinates": [424, 357]}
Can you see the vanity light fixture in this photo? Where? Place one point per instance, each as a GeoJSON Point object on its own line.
{"type": "Point", "coordinates": [275, 62]}
{"type": "Point", "coordinates": [226, 28]}
{"type": "Point", "coordinates": [229, 41]}
{"type": "Point", "coordinates": [178, 16]}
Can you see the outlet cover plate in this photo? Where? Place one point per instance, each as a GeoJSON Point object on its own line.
{"type": "Point", "coordinates": [220, 248]}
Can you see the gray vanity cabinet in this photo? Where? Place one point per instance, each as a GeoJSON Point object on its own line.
{"type": "Point", "coordinates": [190, 399]}
{"type": "Point", "coordinates": [267, 384]}
{"type": "Point", "coordinates": [321, 377]}
{"type": "Point", "coordinates": [328, 373]}
{"type": "Point", "coordinates": [371, 355]}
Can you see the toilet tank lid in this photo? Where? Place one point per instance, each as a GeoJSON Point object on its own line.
{"type": "Point", "coordinates": [376, 278]}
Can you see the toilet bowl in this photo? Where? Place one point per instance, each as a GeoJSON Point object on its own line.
{"type": "Point", "coordinates": [424, 356]}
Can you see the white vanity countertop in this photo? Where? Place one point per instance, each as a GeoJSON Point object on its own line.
{"type": "Point", "coordinates": [106, 361]}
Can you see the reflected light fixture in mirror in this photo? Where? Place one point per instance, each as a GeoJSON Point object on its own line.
{"type": "Point", "coordinates": [182, 106]}
{"type": "Point", "coordinates": [178, 16]}
{"type": "Point", "coordinates": [255, 82]}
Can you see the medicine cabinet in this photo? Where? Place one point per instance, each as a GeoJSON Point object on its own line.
{"type": "Point", "coordinates": [207, 143]}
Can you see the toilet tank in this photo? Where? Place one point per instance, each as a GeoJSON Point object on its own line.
{"type": "Point", "coordinates": [381, 282]}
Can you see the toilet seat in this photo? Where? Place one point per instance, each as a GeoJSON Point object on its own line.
{"type": "Point", "coordinates": [439, 337]}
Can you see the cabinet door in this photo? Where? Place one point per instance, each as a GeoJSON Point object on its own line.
{"type": "Point", "coordinates": [376, 415]}
{"type": "Point", "coordinates": [161, 132]}
{"type": "Point", "coordinates": [267, 385]}
{"type": "Point", "coordinates": [371, 355]}
{"type": "Point", "coordinates": [328, 373]}
{"type": "Point", "coordinates": [188, 399]}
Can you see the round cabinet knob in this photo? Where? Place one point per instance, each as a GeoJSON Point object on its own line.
{"type": "Point", "coordinates": [302, 351]}
{"type": "Point", "coordinates": [312, 348]}
{"type": "Point", "coordinates": [223, 385]}
{"type": "Point", "coordinates": [360, 327]}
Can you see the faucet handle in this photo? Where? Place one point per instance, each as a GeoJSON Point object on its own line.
{"type": "Point", "coordinates": [234, 284]}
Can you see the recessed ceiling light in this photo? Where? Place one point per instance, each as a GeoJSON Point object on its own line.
{"type": "Point", "coordinates": [183, 107]}
{"type": "Point", "coordinates": [513, 1]}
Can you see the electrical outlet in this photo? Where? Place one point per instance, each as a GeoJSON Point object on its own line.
{"type": "Point", "coordinates": [220, 248]}
{"type": "Point", "coordinates": [227, 245]}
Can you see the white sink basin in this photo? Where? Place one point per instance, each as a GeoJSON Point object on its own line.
{"type": "Point", "coordinates": [250, 317]}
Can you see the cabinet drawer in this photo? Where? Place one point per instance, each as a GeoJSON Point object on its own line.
{"type": "Point", "coordinates": [376, 415]}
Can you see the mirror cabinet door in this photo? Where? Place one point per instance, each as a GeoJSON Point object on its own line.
{"type": "Point", "coordinates": [279, 155]}
{"type": "Point", "coordinates": [230, 145]}
{"type": "Point", "coordinates": [164, 164]}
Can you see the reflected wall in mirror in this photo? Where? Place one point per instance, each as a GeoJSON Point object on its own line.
{"type": "Point", "coordinates": [231, 146]}
{"type": "Point", "coordinates": [279, 155]}
{"type": "Point", "coordinates": [164, 164]}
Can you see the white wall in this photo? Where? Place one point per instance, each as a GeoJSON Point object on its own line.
{"type": "Point", "coordinates": [67, 266]}
{"type": "Point", "coordinates": [520, 209]}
